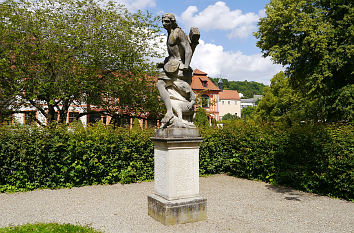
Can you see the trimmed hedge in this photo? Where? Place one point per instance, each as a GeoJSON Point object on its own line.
{"type": "Point", "coordinates": [53, 157]}
{"type": "Point", "coordinates": [315, 158]}
{"type": "Point", "coordinates": [311, 157]}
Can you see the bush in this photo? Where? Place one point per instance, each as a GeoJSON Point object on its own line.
{"type": "Point", "coordinates": [55, 157]}
{"type": "Point", "coordinates": [229, 116]}
{"type": "Point", "coordinates": [311, 157]}
{"type": "Point", "coordinates": [316, 158]}
{"type": "Point", "coordinates": [201, 118]}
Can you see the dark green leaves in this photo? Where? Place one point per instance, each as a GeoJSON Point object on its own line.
{"type": "Point", "coordinates": [314, 41]}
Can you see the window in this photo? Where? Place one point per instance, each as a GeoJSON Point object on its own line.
{"type": "Point", "coordinates": [228, 102]}
{"type": "Point", "coordinates": [123, 121]}
{"type": "Point", "coordinates": [222, 102]}
{"type": "Point", "coordinates": [151, 122]}
{"type": "Point", "coordinates": [56, 116]}
{"type": "Point", "coordinates": [94, 117]}
{"type": "Point", "coordinates": [205, 101]}
{"type": "Point", "coordinates": [5, 119]}
{"type": "Point", "coordinates": [205, 83]}
{"type": "Point", "coordinates": [72, 116]}
{"type": "Point", "coordinates": [104, 120]}
{"type": "Point", "coordinates": [30, 117]}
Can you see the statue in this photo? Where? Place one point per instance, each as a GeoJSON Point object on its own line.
{"type": "Point", "coordinates": [174, 82]}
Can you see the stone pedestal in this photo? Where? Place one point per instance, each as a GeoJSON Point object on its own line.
{"type": "Point", "coordinates": [176, 177]}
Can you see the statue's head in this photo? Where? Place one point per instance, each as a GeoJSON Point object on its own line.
{"type": "Point", "coordinates": [169, 21]}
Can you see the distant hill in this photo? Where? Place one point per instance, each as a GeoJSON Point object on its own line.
{"type": "Point", "coordinates": [248, 89]}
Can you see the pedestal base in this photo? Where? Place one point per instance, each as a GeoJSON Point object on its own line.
{"type": "Point", "coordinates": [170, 212]}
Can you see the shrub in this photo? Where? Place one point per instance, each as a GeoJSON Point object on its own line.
{"type": "Point", "coordinates": [55, 157]}
{"type": "Point", "coordinates": [229, 116]}
{"type": "Point", "coordinates": [201, 118]}
{"type": "Point", "coordinates": [316, 158]}
{"type": "Point", "coordinates": [311, 157]}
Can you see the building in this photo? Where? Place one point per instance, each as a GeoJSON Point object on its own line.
{"type": "Point", "coordinates": [29, 115]}
{"type": "Point", "coordinates": [215, 101]}
{"type": "Point", "coordinates": [207, 93]}
{"type": "Point", "coordinates": [229, 102]}
{"type": "Point", "coordinates": [250, 102]}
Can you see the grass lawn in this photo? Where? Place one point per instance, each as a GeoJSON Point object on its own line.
{"type": "Point", "coordinates": [48, 227]}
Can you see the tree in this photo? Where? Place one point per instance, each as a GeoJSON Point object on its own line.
{"type": "Point", "coordinates": [229, 116]}
{"type": "Point", "coordinates": [280, 102]}
{"type": "Point", "coordinates": [248, 89]}
{"type": "Point", "coordinates": [248, 112]}
{"type": "Point", "coordinates": [314, 40]}
{"type": "Point", "coordinates": [60, 53]}
{"type": "Point", "coordinates": [136, 124]}
{"type": "Point", "coordinates": [201, 118]}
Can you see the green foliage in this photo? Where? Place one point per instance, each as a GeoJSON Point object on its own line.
{"type": "Point", "coordinates": [213, 122]}
{"type": "Point", "coordinates": [229, 116]}
{"type": "Point", "coordinates": [312, 157]}
{"type": "Point", "coordinates": [136, 124]}
{"type": "Point", "coordinates": [47, 228]}
{"type": "Point", "coordinates": [281, 103]}
{"type": "Point", "coordinates": [248, 112]}
{"type": "Point", "coordinates": [201, 118]}
{"type": "Point", "coordinates": [314, 40]}
{"type": "Point", "coordinates": [58, 156]}
{"type": "Point", "coordinates": [284, 104]}
{"type": "Point", "coordinates": [248, 89]}
{"type": "Point", "coordinates": [63, 52]}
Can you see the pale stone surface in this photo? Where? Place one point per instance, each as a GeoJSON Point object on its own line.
{"type": "Point", "coordinates": [171, 212]}
{"type": "Point", "coordinates": [177, 133]}
{"type": "Point", "coordinates": [176, 167]}
{"type": "Point", "coordinates": [174, 82]}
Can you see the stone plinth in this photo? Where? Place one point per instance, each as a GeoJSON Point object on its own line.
{"type": "Point", "coordinates": [173, 133]}
{"type": "Point", "coordinates": [176, 177]}
{"type": "Point", "coordinates": [177, 211]}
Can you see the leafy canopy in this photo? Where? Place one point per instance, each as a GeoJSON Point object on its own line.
{"type": "Point", "coordinates": [60, 53]}
{"type": "Point", "coordinates": [247, 88]}
{"type": "Point", "coordinates": [314, 40]}
{"type": "Point", "coordinates": [201, 118]}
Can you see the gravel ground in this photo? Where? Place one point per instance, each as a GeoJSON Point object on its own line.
{"type": "Point", "coordinates": [234, 205]}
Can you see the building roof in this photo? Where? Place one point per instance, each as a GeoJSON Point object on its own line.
{"type": "Point", "coordinates": [199, 78]}
{"type": "Point", "coordinates": [199, 72]}
{"type": "Point", "coordinates": [251, 100]}
{"type": "Point", "coordinates": [229, 95]}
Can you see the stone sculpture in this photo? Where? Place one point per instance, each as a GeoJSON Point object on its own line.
{"type": "Point", "coordinates": [174, 82]}
{"type": "Point", "coordinates": [176, 196]}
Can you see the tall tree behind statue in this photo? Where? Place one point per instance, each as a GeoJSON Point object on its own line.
{"type": "Point", "coordinates": [314, 40]}
{"type": "Point", "coordinates": [58, 53]}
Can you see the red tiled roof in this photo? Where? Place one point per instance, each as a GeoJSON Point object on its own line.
{"type": "Point", "coordinates": [198, 72]}
{"type": "Point", "coordinates": [197, 81]}
{"type": "Point", "coordinates": [229, 95]}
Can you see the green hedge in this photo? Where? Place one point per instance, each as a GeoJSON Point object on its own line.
{"type": "Point", "coordinates": [55, 157]}
{"type": "Point", "coordinates": [315, 158]}
{"type": "Point", "coordinates": [312, 157]}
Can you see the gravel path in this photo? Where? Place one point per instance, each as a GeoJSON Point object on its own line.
{"type": "Point", "coordinates": [234, 205]}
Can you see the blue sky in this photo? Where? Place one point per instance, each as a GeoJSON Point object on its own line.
{"type": "Point", "coordinates": [228, 48]}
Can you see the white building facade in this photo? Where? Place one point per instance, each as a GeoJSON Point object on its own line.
{"type": "Point", "coordinates": [229, 102]}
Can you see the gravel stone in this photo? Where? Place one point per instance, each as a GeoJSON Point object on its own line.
{"type": "Point", "coordinates": [234, 205]}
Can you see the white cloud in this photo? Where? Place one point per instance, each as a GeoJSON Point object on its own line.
{"type": "Point", "coordinates": [140, 4]}
{"type": "Point", "coordinates": [134, 5]}
{"type": "Point", "coordinates": [220, 17]}
{"type": "Point", "coordinates": [213, 60]}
